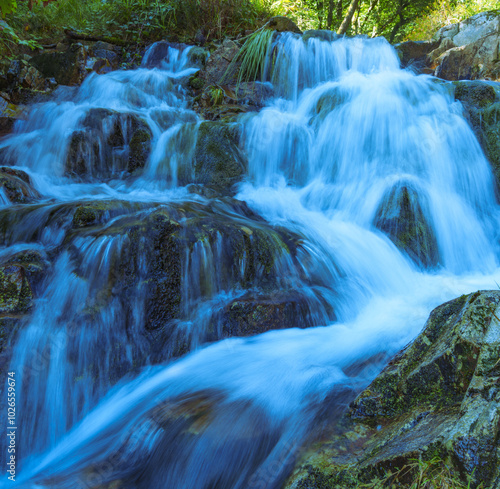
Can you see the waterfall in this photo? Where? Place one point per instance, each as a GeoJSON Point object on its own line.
{"type": "Point", "coordinates": [368, 199]}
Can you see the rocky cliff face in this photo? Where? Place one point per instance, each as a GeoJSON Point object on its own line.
{"type": "Point", "coordinates": [468, 50]}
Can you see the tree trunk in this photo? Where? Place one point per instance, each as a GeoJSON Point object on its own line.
{"type": "Point", "coordinates": [329, 18]}
{"type": "Point", "coordinates": [373, 4]}
{"type": "Point", "coordinates": [340, 8]}
{"type": "Point", "coordinates": [320, 13]}
{"type": "Point", "coordinates": [347, 19]}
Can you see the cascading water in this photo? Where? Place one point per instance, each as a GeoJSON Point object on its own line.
{"type": "Point", "coordinates": [372, 168]}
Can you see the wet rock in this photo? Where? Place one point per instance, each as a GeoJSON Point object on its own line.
{"type": "Point", "coordinates": [17, 187]}
{"type": "Point", "coordinates": [218, 161]}
{"type": "Point", "coordinates": [414, 53]}
{"type": "Point", "coordinates": [216, 68]}
{"type": "Point", "coordinates": [254, 314]}
{"type": "Point", "coordinates": [20, 275]}
{"type": "Point", "coordinates": [6, 125]}
{"type": "Point", "coordinates": [108, 144]}
{"type": "Point", "coordinates": [468, 50]}
{"type": "Point", "coordinates": [254, 94]}
{"type": "Point", "coordinates": [401, 217]}
{"type": "Point", "coordinates": [221, 246]}
{"type": "Point", "coordinates": [15, 292]}
{"type": "Point", "coordinates": [282, 24]}
{"type": "Point", "coordinates": [481, 102]}
{"type": "Point", "coordinates": [438, 397]}
{"type": "Point", "coordinates": [89, 214]}
{"type": "Point", "coordinates": [160, 51]}
{"type": "Point", "coordinates": [67, 67]}
{"type": "Point", "coordinates": [323, 35]}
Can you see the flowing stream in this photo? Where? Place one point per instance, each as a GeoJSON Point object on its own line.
{"type": "Point", "coordinates": [373, 167]}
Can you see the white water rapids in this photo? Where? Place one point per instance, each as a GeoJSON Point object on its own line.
{"type": "Point", "coordinates": [347, 135]}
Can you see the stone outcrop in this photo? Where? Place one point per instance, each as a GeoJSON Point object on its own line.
{"type": "Point", "coordinates": [438, 399]}
{"type": "Point", "coordinates": [468, 50]}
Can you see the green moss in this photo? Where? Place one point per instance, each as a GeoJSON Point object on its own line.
{"type": "Point", "coordinates": [196, 83]}
{"type": "Point", "coordinates": [478, 94]}
{"type": "Point", "coordinates": [218, 161]}
{"type": "Point", "coordinates": [140, 147]}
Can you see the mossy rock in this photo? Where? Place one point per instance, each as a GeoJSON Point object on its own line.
{"type": "Point", "coordinates": [218, 161]}
{"type": "Point", "coordinates": [436, 399]}
{"type": "Point", "coordinates": [196, 83]}
{"type": "Point", "coordinates": [401, 217]}
{"type": "Point", "coordinates": [198, 56]}
{"type": "Point", "coordinates": [254, 314]}
{"type": "Point", "coordinates": [140, 148]}
{"type": "Point", "coordinates": [478, 94]}
{"type": "Point", "coordinates": [280, 23]}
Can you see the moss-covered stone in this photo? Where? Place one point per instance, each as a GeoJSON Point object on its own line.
{"type": "Point", "coordinates": [218, 162]}
{"type": "Point", "coordinates": [280, 23]}
{"type": "Point", "coordinates": [140, 148]}
{"type": "Point", "coordinates": [196, 82]}
{"type": "Point", "coordinates": [436, 398]}
{"type": "Point", "coordinates": [198, 56]}
{"type": "Point", "coordinates": [401, 217]}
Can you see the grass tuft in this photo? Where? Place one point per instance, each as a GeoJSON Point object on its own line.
{"type": "Point", "coordinates": [253, 57]}
{"type": "Point", "coordinates": [420, 474]}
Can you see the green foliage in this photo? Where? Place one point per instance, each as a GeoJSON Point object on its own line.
{"type": "Point", "coordinates": [9, 39]}
{"type": "Point", "coordinates": [216, 95]}
{"type": "Point", "coordinates": [7, 7]}
{"type": "Point", "coordinates": [445, 12]}
{"type": "Point", "coordinates": [134, 20]}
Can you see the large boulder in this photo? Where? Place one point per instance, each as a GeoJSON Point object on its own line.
{"type": "Point", "coordinates": [66, 67]}
{"type": "Point", "coordinates": [183, 258]}
{"type": "Point", "coordinates": [481, 102]}
{"type": "Point", "coordinates": [468, 50]}
{"type": "Point", "coordinates": [436, 402]}
{"type": "Point", "coordinates": [108, 144]}
{"type": "Point", "coordinates": [414, 54]}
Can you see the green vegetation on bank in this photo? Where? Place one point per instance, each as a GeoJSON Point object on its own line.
{"type": "Point", "coordinates": [31, 23]}
{"type": "Point", "coordinates": [446, 12]}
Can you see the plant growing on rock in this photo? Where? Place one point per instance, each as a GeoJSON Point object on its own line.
{"type": "Point", "coordinates": [420, 474]}
{"type": "Point", "coordinates": [252, 57]}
